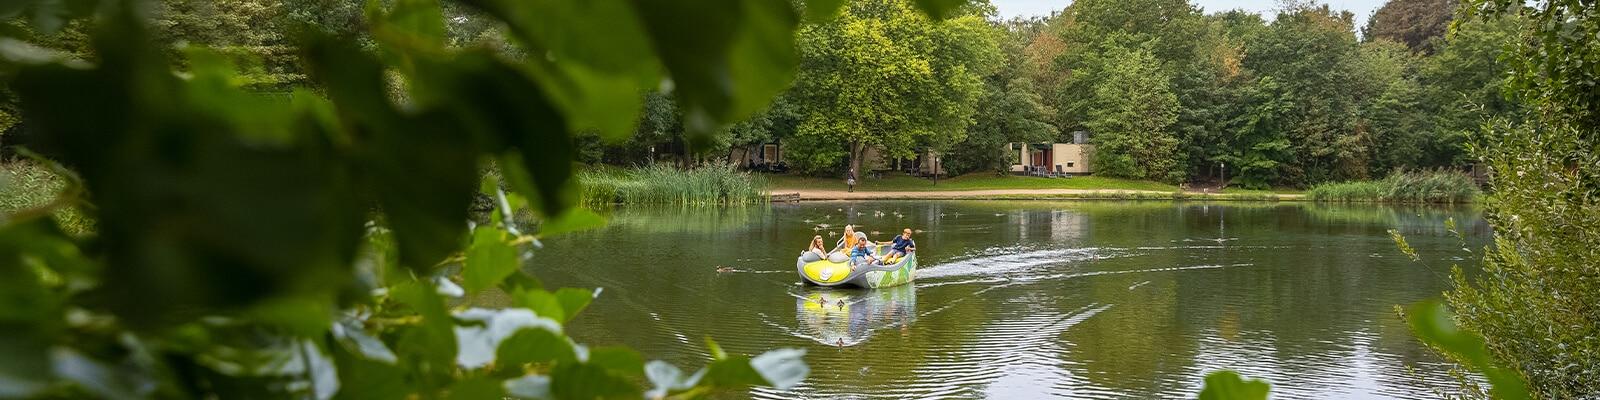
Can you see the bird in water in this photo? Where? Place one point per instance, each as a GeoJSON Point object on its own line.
{"type": "Point", "coordinates": [875, 233]}
{"type": "Point", "coordinates": [841, 304]}
{"type": "Point", "coordinates": [822, 301]}
{"type": "Point", "coordinates": [808, 220]}
{"type": "Point", "coordinates": [722, 269]}
{"type": "Point", "coordinates": [824, 226]}
{"type": "Point", "coordinates": [832, 233]}
{"type": "Point", "coordinates": [841, 342]}
{"type": "Point", "coordinates": [920, 231]}
{"type": "Point", "coordinates": [816, 228]}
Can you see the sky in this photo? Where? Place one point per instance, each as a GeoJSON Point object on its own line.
{"type": "Point", "coordinates": [1024, 8]}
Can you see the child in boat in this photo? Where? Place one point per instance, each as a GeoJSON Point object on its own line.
{"type": "Point", "coordinates": [901, 246]}
{"type": "Point", "coordinates": [817, 247]}
{"type": "Point", "coordinates": [848, 242]}
{"type": "Point", "coordinates": [861, 254]}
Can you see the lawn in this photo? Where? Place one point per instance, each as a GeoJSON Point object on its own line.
{"type": "Point", "coordinates": [976, 181]}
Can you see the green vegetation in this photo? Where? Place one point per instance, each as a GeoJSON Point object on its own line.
{"type": "Point", "coordinates": [306, 234]}
{"type": "Point", "coordinates": [1402, 187]}
{"type": "Point", "coordinates": [1534, 300]}
{"type": "Point", "coordinates": [975, 181]}
{"type": "Point", "coordinates": [660, 184]}
{"type": "Point", "coordinates": [27, 185]}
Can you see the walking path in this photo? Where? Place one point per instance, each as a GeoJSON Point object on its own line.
{"type": "Point", "coordinates": [1019, 194]}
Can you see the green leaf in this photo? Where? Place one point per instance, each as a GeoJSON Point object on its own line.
{"type": "Point", "coordinates": [573, 301]}
{"type": "Point", "coordinates": [533, 345]}
{"type": "Point", "coordinates": [620, 360]}
{"type": "Point", "coordinates": [1435, 325]}
{"type": "Point", "coordinates": [575, 219]}
{"type": "Point", "coordinates": [196, 217]}
{"type": "Point", "coordinates": [727, 58]}
{"type": "Point", "coordinates": [434, 341]}
{"type": "Point", "coordinates": [594, 71]}
{"type": "Point", "coordinates": [477, 388]}
{"type": "Point", "coordinates": [1228, 385]}
{"type": "Point", "coordinates": [715, 349]}
{"type": "Point", "coordinates": [587, 381]}
{"type": "Point", "coordinates": [489, 261]}
{"type": "Point", "coordinates": [543, 303]}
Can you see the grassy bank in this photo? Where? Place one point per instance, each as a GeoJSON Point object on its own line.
{"type": "Point", "coordinates": [25, 185]}
{"type": "Point", "coordinates": [660, 184]}
{"type": "Point", "coordinates": [1402, 187]}
{"type": "Point", "coordinates": [975, 181]}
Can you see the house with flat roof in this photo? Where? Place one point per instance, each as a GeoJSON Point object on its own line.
{"type": "Point", "coordinates": [1053, 159]}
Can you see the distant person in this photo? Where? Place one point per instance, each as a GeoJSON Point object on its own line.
{"type": "Point", "coordinates": [861, 255]}
{"type": "Point", "coordinates": [817, 247]}
{"type": "Point", "coordinates": [900, 247]}
{"type": "Point", "coordinates": [850, 179]}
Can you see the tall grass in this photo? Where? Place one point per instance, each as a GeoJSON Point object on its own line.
{"type": "Point", "coordinates": [1402, 187]}
{"type": "Point", "coordinates": [661, 184]}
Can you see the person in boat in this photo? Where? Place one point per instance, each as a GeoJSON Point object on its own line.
{"type": "Point", "coordinates": [817, 247]}
{"type": "Point", "coordinates": [848, 242]}
{"type": "Point", "coordinates": [901, 246]}
{"type": "Point", "coordinates": [861, 254]}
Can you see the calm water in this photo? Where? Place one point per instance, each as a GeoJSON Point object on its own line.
{"type": "Point", "coordinates": [1019, 300]}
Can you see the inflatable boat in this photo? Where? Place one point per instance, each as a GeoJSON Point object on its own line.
{"type": "Point", "coordinates": [834, 270]}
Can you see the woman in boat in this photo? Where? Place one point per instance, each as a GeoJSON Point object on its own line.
{"type": "Point", "coordinates": [817, 247]}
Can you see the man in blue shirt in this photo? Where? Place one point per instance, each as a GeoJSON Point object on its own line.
{"type": "Point", "coordinates": [901, 246]}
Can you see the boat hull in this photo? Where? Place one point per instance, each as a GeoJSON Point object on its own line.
{"type": "Point", "coordinates": [835, 270]}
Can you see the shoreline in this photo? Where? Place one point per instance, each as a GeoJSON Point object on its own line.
{"type": "Point", "coordinates": [803, 195]}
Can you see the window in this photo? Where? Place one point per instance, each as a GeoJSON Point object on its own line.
{"type": "Point", "coordinates": [1069, 164]}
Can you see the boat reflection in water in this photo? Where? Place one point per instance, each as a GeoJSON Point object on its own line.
{"type": "Point", "coordinates": [848, 317]}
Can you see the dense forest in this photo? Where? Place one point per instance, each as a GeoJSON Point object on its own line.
{"type": "Point", "coordinates": [1167, 91]}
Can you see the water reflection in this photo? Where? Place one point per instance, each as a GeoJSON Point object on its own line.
{"type": "Point", "coordinates": [1035, 299]}
{"type": "Point", "coordinates": [850, 316]}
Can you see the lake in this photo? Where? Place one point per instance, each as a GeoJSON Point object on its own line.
{"type": "Point", "coordinates": [1015, 300]}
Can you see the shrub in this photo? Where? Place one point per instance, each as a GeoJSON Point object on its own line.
{"type": "Point", "coordinates": [1437, 186]}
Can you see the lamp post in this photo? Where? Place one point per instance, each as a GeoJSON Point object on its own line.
{"type": "Point", "coordinates": [1224, 176]}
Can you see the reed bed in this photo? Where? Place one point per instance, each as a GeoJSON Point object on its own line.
{"type": "Point", "coordinates": [661, 184]}
{"type": "Point", "coordinates": [1402, 187]}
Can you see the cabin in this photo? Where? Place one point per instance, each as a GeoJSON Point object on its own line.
{"type": "Point", "coordinates": [766, 157]}
{"type": "Point", "coordinates": [1053, 159]}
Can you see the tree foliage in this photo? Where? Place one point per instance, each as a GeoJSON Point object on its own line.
{"type": "Point", "coordinates": [1534, 301]}
{"type": "Point", "coordinates": [1418, 24]}
{"type": "Point", "coordinates": [882, 75]}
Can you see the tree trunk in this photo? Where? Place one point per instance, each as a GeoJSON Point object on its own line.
{"type": "Point", "coordinates": [856, 150]}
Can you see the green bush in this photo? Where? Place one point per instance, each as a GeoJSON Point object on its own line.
{"type": "Point", "coordinates": [1401, 187]}
{"type": "Point", "coordinates": [661, 184]}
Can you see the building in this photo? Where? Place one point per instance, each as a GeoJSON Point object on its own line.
{"type": "Point", "coordinates": [1053, 158]}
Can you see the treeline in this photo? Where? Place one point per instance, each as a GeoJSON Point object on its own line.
{"type": "Point", "coordinates": [1165, 91]}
